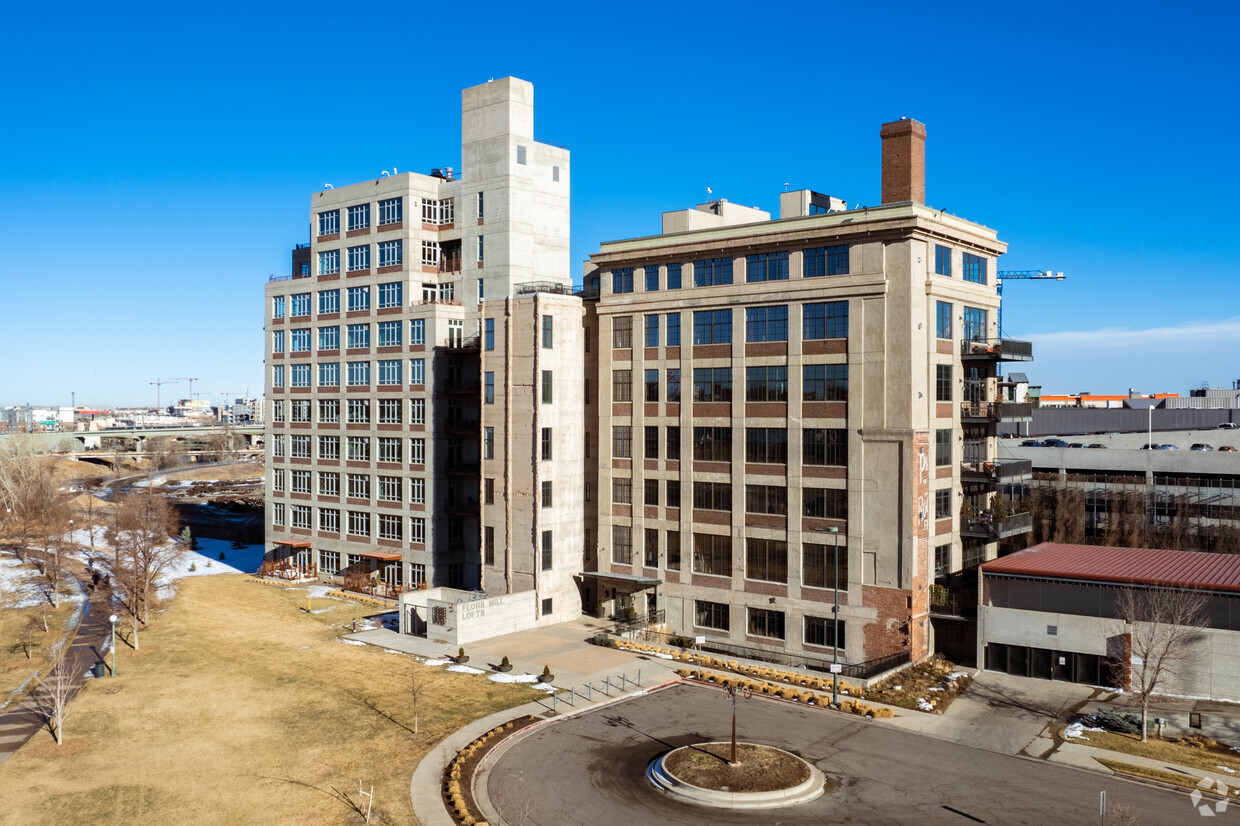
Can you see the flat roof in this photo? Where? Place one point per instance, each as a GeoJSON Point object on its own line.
{"type": "Point", "coordinates": [1193, 569]}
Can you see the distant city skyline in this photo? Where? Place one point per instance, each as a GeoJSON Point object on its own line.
{"type": "Point", "coordinates": [165, 163]}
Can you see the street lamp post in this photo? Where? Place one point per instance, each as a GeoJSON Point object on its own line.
{"type": "Point", "coordinates": [835, 622]}
{"type": "Point", "coordinates": [113, 619]}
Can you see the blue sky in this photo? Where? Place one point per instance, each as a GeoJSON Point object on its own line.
{"type": "Point", "coordinates": [157, 160]}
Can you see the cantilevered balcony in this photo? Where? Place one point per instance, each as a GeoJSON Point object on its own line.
{"type": "Point", "coordinates": [995, 472]}
{"type": "Point", "coordinates": [985, 526]}
{"type": "Point", "coordinates": [996, 412]}
{"type": "Point", "coordinates": [995, 349]}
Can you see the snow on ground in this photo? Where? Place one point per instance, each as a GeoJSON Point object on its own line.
{"type": "Point", "coordinates": [513, 678]}
{"type": "Point", "coordinates": [547, 687]}
{"type": "Point", "coordinates": [1229, 771]}
{"type": "Point", "coordinates": [435, 662]}
{"type": "Point", "coordinates": [1076, 731]}
{"type": "Point", "coordinates": [464, 669]}
{"type": "Point", "coordinates": [350, 642]}
{"type": "Point", "coordinates": [923, 705]}
{"type": "Point", "coordinates": [21, 585]}
{"type": "Point", "coordinates": [319, 592]}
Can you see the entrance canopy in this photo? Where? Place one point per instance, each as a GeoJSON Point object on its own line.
{"type": "Point", "coordinates": [628, 580]}
{"type": "Point", "coordinates": [288, 543]}
{"type": "Point", "coordinates": [383, 556]}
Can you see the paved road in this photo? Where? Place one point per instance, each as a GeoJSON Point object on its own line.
{"type": "Point", "coordinates": [590, 770]}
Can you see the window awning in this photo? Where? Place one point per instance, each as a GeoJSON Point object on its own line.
{"type": "Point", "coordinates": [628, 579]}
{"type": "Point", "coordinates": [289, 543]}
{"type": "Point", "coordinates": [385, 556]}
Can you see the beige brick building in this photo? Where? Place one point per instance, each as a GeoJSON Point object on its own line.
{"type": "Point", "coordinates": [769, 389]}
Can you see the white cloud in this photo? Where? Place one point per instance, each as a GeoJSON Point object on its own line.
{"type": "Point", "coordinates": [1189, 337]}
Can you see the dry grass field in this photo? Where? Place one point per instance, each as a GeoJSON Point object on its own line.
{"type": "Point", "coordinates": [230, 473]}
{"type": "Point", "coordinates": [242, 708]}
{"type": "Point", "coordinates": [22, 625]}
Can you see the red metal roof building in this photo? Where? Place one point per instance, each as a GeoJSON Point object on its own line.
{"type": "Point", "coordinates": [1095, 563]}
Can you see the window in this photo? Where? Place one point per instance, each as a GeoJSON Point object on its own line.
{"type": "Point", "coordinates": [359, 335]}
{"type": "Point", "coordinates": [417, 411]}
{"type": "Point", "coordinates": [652, 278]}
{"type": "Point", "coordinates": [488, 334]}
{"type": "Point", "coordinates": [488, 546]}
{"type": "Point", "coordinates": [548, 332]}
{"type": "Point", "coordinates": [766, 266]}
{"type": "Point", "coordinates": [942, 260]}
{"type": "Point", "coordinates": [824, 446]}
{"type": "Point", "coordinates": [586, 393]}
{"type": "Point", "coordinates": [652, 385]}
{"type": "Point", "coordinates": [277, 306]}
{"type": "Point", "coordinates": [277, 480]}
{"type": "Point", "coordinates": [712, 554]}
{"type": "Point", "coordinates": [545, 501]}
{"type": "Point", "coordinates": [481, 209]}
{"type": "Point", "coordinates": [546, 444]}
{"type": "Point", "coordinates": [488, 388]}
{"type": "Point", "coordinates": [829, 320]}
{"type": "Point", "coordinates": [622, 441]}
{"type": "Point", "coordinates": [329, 222]}
{"type": "Point", "coordinates": [712, 496]}
{"type": "Point", "coordinates": [837, 260]}
{"type": "Point", "coordinates": [711, 615]}
{"type": "Point", "coordinates": [622, 385]}
{"type": "Point", "coordinates": [555, 176]}
{"type": "Point", "coordinates": [389, 333]}
{"type": "Point", "coordinates": [359, 217]}
{"type": "Point", "coordinates": [300, 447]}
{"type": "Point", "coordinates": [391, 253]}
{"type": "Point", "coordinates": [417, 490]}
{"type": "Point", "coordinates": [766, 323]}
{"type": "Point", "coordinates": [329, 447]}
{"type": "Point", "coordinates": [359, 523]}
{"type": "Point", "coordinates": [391, 211]}
{"type": "Point", "coordinates": [943, 447]}
{"type": "Point", "coordinates": [765, 623]}
{"type": "Point", "coordinates": [673, 276]}
{"type": "Point", "coordinates": [974, 324]}
{"type": "Point", "coordinates": [673, 329]}
{"type": "Point", "coordinates": [417, 531]}
{"type": "Point", "coordinates": [417, 451]}
{"type": "Point", "coordinates": [768, 499]}
{"type": "Point", "coordinates": [359, 258]}
{"type": "Point", "coordinates": [825, 382]}
{"type": "Point", "coordinates": [673, 550]}
{"type": "Point", "coordinates": [329, 338]}
{"type": "Point", "coordinates": [622, 332]}
{"type": "Point", "coordinates": [712, 444]}
{"type": "Point", "coordinates": [430, 257]}
{"type": "Point", "coordinates": [389, 526]}
{"type": "Point", "coordinates": [300, 340]}
{"type": "Point", "coordinates": [766, 384]}
{"type": "Point", "coordinates": [546, 386]}
{"type": "Point", "coordinates": [712, 384]}
{"type": "Point", "coordinates": [277, 375]}
{"type": "Point", "coordinates": [489, 492]}
{"type": "Point", "coordinates": [520, 154]}
{"type": "Point", "coordinates": [359, 449]}
{"type": "Point", "coordinates": [329, 411]}
{"type": "Point", "coordinates": [621, 545]}
{"type": "Point", "coordinates": [673, 386]}
{"type": "Point", "coordinates": [390, 294]}
{"type": "Point", "coordinates": [359, 486]}
{"type": "Point", "coordinates": [488, 443]}
{"type": "Point", "coordinates": [766, 445]}
{"type": "Point", "coordinates": [301, 410]}
{"type": "Point", "coordinates": [389, 489]}
{"type": "Point", "coordinates": [481, 248]}
{"type": "Point", "coordinates": [359, 374]}
{"type": "Point", "coordinates": [359, 299]}
{"type": "Point", "coordinates": [943, 504]}
{"type": "Point", "coordinates": [277, 514]}
{"type": "Point", "coordinates": [673, 443]}
{"type": "Point", "coordinates": [547, 558]}
{"type": "Point", "coordinates": [417, 371]}
{"type": "Point", "coordinates": [974, 268]}
{"type": "Point", "coordinates": [652, 331]}
{"type": "Point", "coordinates": [942, 559]}
{"type": "Point", "coordinates": [359, 411]}
{"type": "Point", "coordinates": [943, 382]}
{"type": "Point", "coordinates": [329, 522]}
{"type": "Point", "coordinates": [827, 633]}
{"type": "Point", "coordinates": [712, 272]}
{"type": "Point", "coordinates": [712, 327]}
{"type": "Point", "coordinates": [813, 262]}
{"type": "Point", "coordinates": [943, 319]}
{"type": "Point", "coordinates": [651, 448]}
{"type": "Point", "coordinates": [622, 280]}
{"type": "Point", "coordinates": [481, 289]}
{"type": "Point", "coordinates": [329, 301]}
{"type": "Point", "coordinates": [300, 305]}
{"type": "Point", "coordinates": [650, 548]}
{"type": "Point", "coordinates": [277, 341]}
{"type": "Point", "coordinates": [818, 565]}
{"type": "Point", "coordinates": [277, 447]}
{"type": "Point", "coordinates": [622, 491]}
{"type": "Point", "coordinates": [651, 493]}
{"type": "Point", "coordinates": [824, 503]}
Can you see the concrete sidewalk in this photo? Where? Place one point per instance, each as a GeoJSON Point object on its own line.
{"type": "Point", "coordinates": [1081, 756]}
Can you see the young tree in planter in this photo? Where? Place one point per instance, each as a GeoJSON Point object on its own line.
{"type": "Point", "coordinates": [1163, 626]}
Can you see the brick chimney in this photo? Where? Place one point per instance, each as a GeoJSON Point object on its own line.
{"type": "Point", "coordinates": [904, 161]}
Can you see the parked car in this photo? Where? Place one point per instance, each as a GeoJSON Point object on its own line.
{"type": "Point", "coordinates": [1150, 446]}
{"type": "Point", "coordinates": [1077, 444]}
{"type": "Point", "coordinates": [1054, 443]}
{"type": "Point", "coordinates": [1166, 447]}
{"type": "Point", "coordinates": [1227, 449]}
{"type": "Point", "coordinates": [1098, 446]}
{"type": "Point", "coordinates": [1008, 436]}
{"type": "Point", "coordinates": [1201, 446]}
{"type": "Point", "coordinates": [1229, 426]}
{"type": "Point", "coordinates": [1031, 443]}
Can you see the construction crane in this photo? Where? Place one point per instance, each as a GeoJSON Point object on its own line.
{"type": "Point", "coordinates": [159, 383]}
{"type": "Point", "coordinates": [1020, 275]}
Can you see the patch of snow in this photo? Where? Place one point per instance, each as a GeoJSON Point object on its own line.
{"type": "Point", "coordinates": [956, 675]}
{"type": "Point", "coordinates": [23, 581]}
{"type": "Point", "coordinates": [319, 592]}
{"type": "Point", "coordinates": [464, 669]}
{"type": "Point", "coordinates": [897, 687]}
{"type": "Point", "coordinates": [1229, 771]}
{"type": "Point", "coordinates": [351, 642]}
{"type": "Point", "coordinates": [923, 705]}
{"type": "Point", "coordinates": [436, 662]}
{"type": "Point", "coordinates": [936, 688]}
{"type": "Point", "coordinates": [513, 678]}
{"type": "Point", "coordinates": [547, 687]}
{"type": "Point", "coordinates": [662, 656]}
{"type": "Point", "coordinates": [392, 651]}
{"type": "Point", "coordinates": [1076, 731]}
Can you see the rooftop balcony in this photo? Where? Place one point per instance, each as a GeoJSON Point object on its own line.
{"type": "Point", "coordinates": [996, 411]}
{"type": "Point", "coordinates": [995, 472]}
{"type": "Point", "coordinates": [996, 349]}
{"type": "Point", "coordinates": [985, 526]}
{"type": "Point", "coordinates": [464, 345]}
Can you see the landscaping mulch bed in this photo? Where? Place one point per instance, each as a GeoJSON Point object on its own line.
{"type": "Point", "coordinates": [927, 686]}
{"type": "Point", "coordinates": [471, 766]}
{"type": "Point", "coordinates": [759, 769]}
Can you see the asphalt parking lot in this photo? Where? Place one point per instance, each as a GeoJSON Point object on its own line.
{"type": "Point", "coordinates": [590, 769]}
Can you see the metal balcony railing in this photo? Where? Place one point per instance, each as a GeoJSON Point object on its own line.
{"type": "Point", "coordinates": [996, 349]}
{"type": "Point", "coordinates": [985, 526]}
{"type": "Point", "coordinates": [995, 472]}
{"type": "Point", "coordinates": [997, 411]}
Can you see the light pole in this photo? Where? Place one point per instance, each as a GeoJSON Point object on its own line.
{"type": "Point", "coordinates": [1149, 429]}
{"type": "Point", "coordinates": [113, 619]}
{"type": "Point", "coordinates": [835, 622]}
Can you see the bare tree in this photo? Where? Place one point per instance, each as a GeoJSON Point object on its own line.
{"type": "Point", "coordinates": [53, 695]}
{"type": "Point", "coordinates": [225, 444]}
{"type": "Point", "coordinates": [417, 684]}
{"type": "Point", "coordinates": [1162, 627]}
{"type": "Point", "coordinates": [139, 536]}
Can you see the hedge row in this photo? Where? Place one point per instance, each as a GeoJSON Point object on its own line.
{"type": "Point", "coordinates": [452, 796]}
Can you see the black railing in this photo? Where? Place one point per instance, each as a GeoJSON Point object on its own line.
{"type": "Point", "coordinates": [987, 527]}
{"type": "Point", "coordinates": [996, 411]}
{"type": "Point", "coordinates": [999, 349]}
{"type": "Point", "coordinates": [532, 287]}
{"type": "Point", "coordinates": [996, 471]}
{"type": "Point", "coordinates": [640, 621]}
